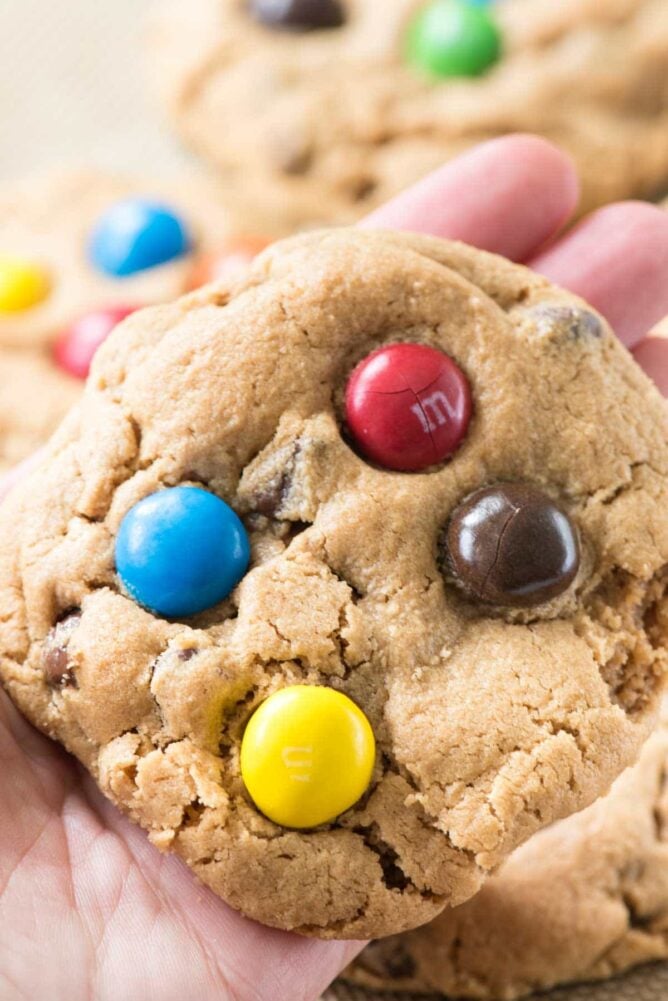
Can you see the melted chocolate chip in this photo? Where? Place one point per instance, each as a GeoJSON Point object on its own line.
{"type": "Point", "coordinates": [510, 544]}
{"type": "Point", "coordinates": [568, 323]}
{"type": "Point", "coordinates": [271, 498]}
{"type": "Point", "coordinates": [187, 653]}
{"type": "Point", "coordinates": [58, 670]}
{"type": "Point", "coordinates": [298, 15]}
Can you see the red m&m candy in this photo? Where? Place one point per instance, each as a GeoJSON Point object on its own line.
{"type": "Point", "coordinates": [408, 406]}
{"type": "Point", "coordinates": [75, 347]}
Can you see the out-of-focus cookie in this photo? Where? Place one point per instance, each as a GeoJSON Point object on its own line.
{"type": "Point", "coordinates": [34, 397]}
{"type": "Point", "coordinates": [326, 108]}
{"type": "Point", "coordinates": [83, 240]}
{"type": "Point", "coordinates": [584, 900]}
{"type": "Point", "coordinates": [79, 250]}
{"type": "Point", "coordinates": [345, 580]}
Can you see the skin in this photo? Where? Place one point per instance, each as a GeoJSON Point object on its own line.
{"type": "Point", "coordinates": [89, 910]}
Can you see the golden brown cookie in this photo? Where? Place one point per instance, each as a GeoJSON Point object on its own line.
{"type": "Point", "coordinates": [584, 900]}
{"type": "Point", "coordinates": [498, 701]}
{"type": "Point", "coordinates": [329, 121]}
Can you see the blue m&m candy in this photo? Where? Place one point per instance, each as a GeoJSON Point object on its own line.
{"type": "Point", "coordinates": [181, 551]}
{"type": "Point", "coordinates": [136, 234]}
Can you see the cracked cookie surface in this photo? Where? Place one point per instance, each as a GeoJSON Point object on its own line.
{"type": "Point", "coordinates": [328, 124]}
{"type": "Point", "coordinates": [584, 900]}
{"type": "Point", "coordinates": [490, 722]}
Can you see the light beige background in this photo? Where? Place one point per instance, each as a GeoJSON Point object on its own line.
{"type": "Point", "coordinates": [72, 90]}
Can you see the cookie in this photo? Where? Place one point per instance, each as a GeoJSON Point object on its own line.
{"type": "Point", "coordinates": [584, 900]}
{"type": "Point", "coordinates": [346, 580]}
{"type": "Point", "coordinates": [34, 397]}
{"type": "Point", "coordinates": [330, 120]}
{"type": "Point", "coordinates": [82, 240]}
{"type": "Point", "coordinates": [60, 296]}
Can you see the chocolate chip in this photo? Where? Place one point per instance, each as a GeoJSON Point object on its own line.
{"type": "Point", "coordinates": [187, 653]}
{"type": "Point", "coordinates": [271, 497]}
{"type": "Point", "coordinates": [510, 544]}
{"type": "Point", "coordinates": [270, 500]}
{"type": "Point", "coordinates": [567, 323]}
{"type": "Point", "coordinates": [298, 15]}
{"type": "Point", "coordinates": [58, 670]}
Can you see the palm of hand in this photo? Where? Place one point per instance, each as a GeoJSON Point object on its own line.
{"type": "Point", "coordinates": [92, 906]}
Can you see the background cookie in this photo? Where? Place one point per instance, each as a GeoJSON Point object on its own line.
{"type": "Point", "coordinates": [584, 900]}
{"type": "Point", "coordinates": [57, 303]}
{"type": "Point", "coordinates": [330, 123]}
{"type": "Point", "coordinates": [90, 240]}
{"type": "Point", "coordinates": [491, 715]}
{"type": "Point", "coordinates": [34, 397]}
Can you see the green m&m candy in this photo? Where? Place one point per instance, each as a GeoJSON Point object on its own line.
{"type": "Point", "coordinates": [453, 38]}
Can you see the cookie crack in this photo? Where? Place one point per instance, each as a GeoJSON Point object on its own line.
{"type": "Point", "coordinates": [393, 876]}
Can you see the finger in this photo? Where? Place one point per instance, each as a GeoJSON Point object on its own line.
{"type": "Point", "coordinates": [652, 355]}
{"type": "Point", "coordinates": [617, 260]}
{"type": "Point", "coordinates": [509, 196]}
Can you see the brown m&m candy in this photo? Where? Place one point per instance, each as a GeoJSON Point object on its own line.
{"type": "Point", "coordinates": [510, 544]}
{"type": "Point", "coordinates": [298, 15]}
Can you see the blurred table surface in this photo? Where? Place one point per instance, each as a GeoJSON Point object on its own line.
{"type": "Point", "coordinates": [647, 984]}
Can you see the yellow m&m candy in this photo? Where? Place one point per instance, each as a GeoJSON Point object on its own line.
{"type": "Point", "coordinates": [307, 755]}
{"type": "Point", "coordinates": [22, 284]}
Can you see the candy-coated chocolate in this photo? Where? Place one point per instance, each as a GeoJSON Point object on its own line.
{"type": "Point", "coordinates": [180, 551]}
{"type": "Point", "coordinates": [510, 544]}
{"type": "Point", "coordinates": [307, 756]}
{"type": "Point", "coordinates": [136, 234]}
{"type": "Point", "coordinates": [453, 38]}
{"type": "Point", "coordinates": [74, 349]}
{"type": "Point", "coordinates": [299, 15]}
{"type": "Point", "coordinates": [408, 406]}
{"type": "Point", "coordinates": [23, 284]}
{"type": "Point", "coordinates": [229, 263]}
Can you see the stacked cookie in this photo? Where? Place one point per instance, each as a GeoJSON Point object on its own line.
{"type": "Point", "coordinates": [336, 106]}
{"type": "Point", "coordinates": [81, 250]}
{"type": "Point", "coordinates": [584, 900]}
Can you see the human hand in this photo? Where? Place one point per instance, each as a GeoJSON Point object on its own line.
{"type": "Point", "coordinates": [89, 911]}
